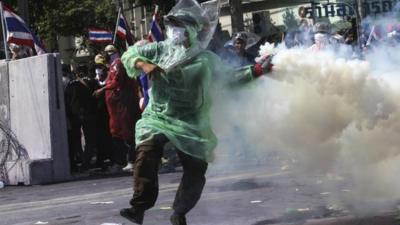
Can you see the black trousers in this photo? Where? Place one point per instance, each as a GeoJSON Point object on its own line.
{"type": "Point", "coordinates": [88, 125]}
{"type": "Point", "coordinates": [122, 151]}
{"type": "Point", "coordinates": [104, 140]}
{"type": "Point", "coordinates": [148, 156]}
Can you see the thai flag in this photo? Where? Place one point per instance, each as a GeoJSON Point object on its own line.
{"type": "Point", "coordinates": [376, 34]}
{"type": "Point", "coordinates": [100, 35]}
{"type": "Point", "coordinates": [19, 33]}
{"type": "Point", "coordinates": [155, 33]}
{"type": "Point", "coordinates": [145, 84]}
{"type": "Point", "coordinates": [123, 30]}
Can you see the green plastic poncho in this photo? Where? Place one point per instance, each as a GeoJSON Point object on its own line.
{"type": "Point", "coordinates": [180, 99]}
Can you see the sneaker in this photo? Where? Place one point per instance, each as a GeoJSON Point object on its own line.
{"type": "Point", "coordinates": [177, 219]}
{"type": "Point", "coordinates": [132, 215]}
{"type": "Point", "coordinates": [128, 167]}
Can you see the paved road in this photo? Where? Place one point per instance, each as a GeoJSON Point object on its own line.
{"type": "Point", "coordinates": [254, 196]}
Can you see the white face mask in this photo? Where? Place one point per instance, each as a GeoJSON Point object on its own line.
{"type": "Point", "coordinates": [98, 72]}
{"type": "Point", "coordinates": [321, 38]}
{"type": "Point", "coordinates": [176, 34]}
{"type": "Point", "coordinates": [101, 76]}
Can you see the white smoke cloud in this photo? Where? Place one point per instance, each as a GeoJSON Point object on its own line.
{"type": "Point", "coordinates": [333, 115]}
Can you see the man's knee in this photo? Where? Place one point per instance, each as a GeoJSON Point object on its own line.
{"type": "Point", "coordinates": [145, 152]}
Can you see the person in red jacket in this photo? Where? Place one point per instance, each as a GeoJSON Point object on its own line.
{"type": "Point", "coordinates": [122, 100]}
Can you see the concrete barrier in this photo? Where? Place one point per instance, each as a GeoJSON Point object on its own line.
{"type": "Point", "coordinates": [4, 116]}
{"type": "Point", "coordinates": [36, 115]}
{"type": "Point", "coordinates": [4, 94]}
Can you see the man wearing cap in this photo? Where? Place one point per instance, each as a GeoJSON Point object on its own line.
{"type": "Point", "coordinates": [81, 114]}
{"type": "Point", "coordinates": [104, 140]}
{"type": "Point", "coordinates": [182, 72]}
{"type": "Point", "coordinates": [243, 58]}
{"type": "Point", "coordinates": [121, 95]}
{"type": "Point", "coordinates": [100, 69]}
{"type": "Point", "coordinates": [235, 52]}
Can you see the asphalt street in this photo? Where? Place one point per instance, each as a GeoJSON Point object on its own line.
{"type": "Point", "coordinates": [255, 195]}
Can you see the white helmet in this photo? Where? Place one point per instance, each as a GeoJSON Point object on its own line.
{"type": "Point", "coordinates": [110, 49]}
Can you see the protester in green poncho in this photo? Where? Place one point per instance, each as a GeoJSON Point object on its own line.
{"type": "Point", "coordinates": [182, 73]}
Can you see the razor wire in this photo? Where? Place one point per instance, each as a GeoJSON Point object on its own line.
{"type": "Point", "coordinates": [11, 150]}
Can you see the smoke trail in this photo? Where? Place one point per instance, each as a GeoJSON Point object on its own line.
{"type": "Point", "coordinates": [333, 115]}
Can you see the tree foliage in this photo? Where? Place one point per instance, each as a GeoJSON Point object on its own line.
{"type": "Point", "coordinates": [289, 19]}
{"type": "Point", "coordinates": [164, 5]}
{"type": "Point", "coordinates": [50, 18]}
{"type": "Point", "coordinates": [71, 17]}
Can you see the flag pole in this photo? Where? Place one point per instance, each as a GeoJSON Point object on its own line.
{"type": "Point", "coordinates": [116, 26]}
{"type": "Point", "coordinates": [154, 18]}
{"type": "Point", "coordinates": [370, 36]}
{"type": "Point", "coordinates": [3, 24]}
{"type": "Point", "coordinates": [156, 10]}
{"type": "Point", "coordinates": [144, 20]}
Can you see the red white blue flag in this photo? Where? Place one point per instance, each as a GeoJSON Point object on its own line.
{"type": "Point", "coordinates": [155, 34]}
{"type": "Point", "coordinates": [19, 33]}
{"type": "Point", "coordinates": [123, 30]}
{"type": "Point", "coordinates": [100, 35]}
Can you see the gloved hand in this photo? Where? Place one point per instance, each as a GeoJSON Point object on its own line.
{"type": "Point", "coordinates": [264, 65]}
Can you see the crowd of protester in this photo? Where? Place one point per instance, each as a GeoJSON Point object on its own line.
{"type": "Point", "coordinates": [102, 107]}
{"type": "Point", "coordinates": [103, 103]}
{"type": "Point", "coordinates": [354, 39]}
